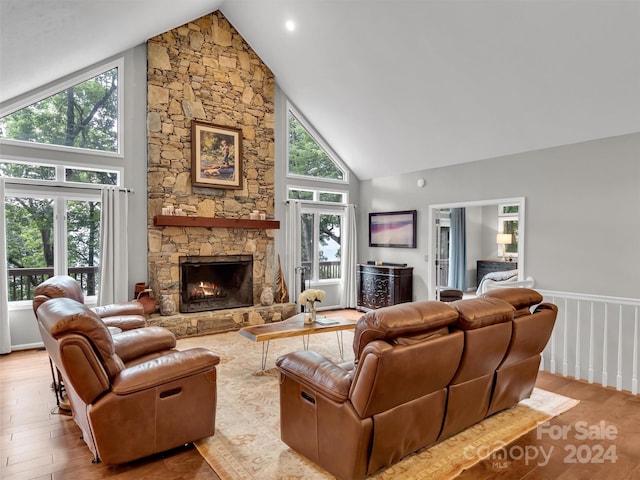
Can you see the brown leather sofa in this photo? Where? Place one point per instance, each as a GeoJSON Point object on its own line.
{"type": "Point", "coordinates": [132, 394]}
{"type": "Point", "coordinates": [423, 371]}
{"type": "Point", "coordinates": [123, 315]}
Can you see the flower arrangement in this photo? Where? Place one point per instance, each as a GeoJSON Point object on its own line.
{"type": "Point", "coordinates": [311, 296]}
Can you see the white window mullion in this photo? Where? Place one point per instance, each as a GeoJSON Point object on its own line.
{"type": "Point", "coordinates": [60, 236]}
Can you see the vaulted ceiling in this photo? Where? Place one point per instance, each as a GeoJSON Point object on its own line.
{"type": "Point", "coordinates": [393, 86]}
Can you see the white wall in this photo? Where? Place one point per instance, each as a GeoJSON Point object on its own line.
{"type": "Point", "coordinates": [582, 212]}
{"type": "Point", "coordinates": [489, 230]}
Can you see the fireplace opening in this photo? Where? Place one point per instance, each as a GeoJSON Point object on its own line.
{"type": "Point", "coordinates": [215, 282]}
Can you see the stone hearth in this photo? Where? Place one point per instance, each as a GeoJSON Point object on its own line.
{"type": "Point", "coordinates": [218, 321]}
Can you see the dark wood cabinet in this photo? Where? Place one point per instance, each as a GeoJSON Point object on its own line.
{"type": "Point", "coordinates": [383, 285]}
{"type": "Point", "coordinates": [488, 266]}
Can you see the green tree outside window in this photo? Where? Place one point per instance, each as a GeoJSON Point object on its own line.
{"type": "Point", "coordinates": [83, 116]}
{"type": "Point", "coordinates": [306, 157]}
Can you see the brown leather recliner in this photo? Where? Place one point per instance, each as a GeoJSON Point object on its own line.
{"type": "Point", "coordinates": [132, 394]}
{"type": "Point", "coordinates": [516, 375]}
{"type": "Point", "coordinates": [486, 325]}
{"type": "Point", "coordinates": [424, 371]}
{"type": "Point", "coordinates": [354, 422]}
{"type": "Point", "coordinates": [123, 315]}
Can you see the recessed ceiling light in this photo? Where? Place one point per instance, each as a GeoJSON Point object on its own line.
{"type": "Point", "coordinates": [290, 25]}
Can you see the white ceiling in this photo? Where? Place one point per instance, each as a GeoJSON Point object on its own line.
{"type": "Point", "coordinates": [393, 86]}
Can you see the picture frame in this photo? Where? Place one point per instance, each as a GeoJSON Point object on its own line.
{"type": "Point", "coordinates": [216, 155]}
{"type": "Point", "coordinates": [393, 229]}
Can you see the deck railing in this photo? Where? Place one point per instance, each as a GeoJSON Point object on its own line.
{"type": "Point", "coordinates": [23, 281]}
{"type": "Point", "coordinates": [328, 270]}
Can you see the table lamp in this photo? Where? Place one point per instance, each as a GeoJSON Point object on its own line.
{"type": "Point", "coordinates": [504, 239]}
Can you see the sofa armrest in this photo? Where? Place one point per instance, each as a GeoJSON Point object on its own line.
{"type": "Point", "coordinates": [546, 306]}
{"type": "Point", "coordinates": [118, 309]}
{"type": "Point", "coordinates": [142, 341]}
{"type": "Point", "coordinates": [125, 322]}
{"type": "Point", "coordinates": [318, 373]}
{"type": "Point", "coordinates": [167, 368]}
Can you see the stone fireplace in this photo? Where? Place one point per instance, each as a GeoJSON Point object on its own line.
{"type": "Point", "coordinates": [204, 70]}
{"type": "Point", "coordinates": [215, 282]}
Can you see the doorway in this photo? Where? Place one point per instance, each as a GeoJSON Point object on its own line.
{"type": "Point", "coordinates": [480, 237]}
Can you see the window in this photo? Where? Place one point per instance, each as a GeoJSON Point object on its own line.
{"type": "Point", "coordinates": [27, 170]}
{"type": "Point", "coordinates": [508, 223]}
{"type": "Point", "coordinates": [315, 195]}
{"type": "Point", "coordinates": [300, 194]}
{"type": "Point", "coordinates": [321, 226]}
{"type": "Point", "coordinates": [83, 175]}
{"type": "Point", "coordinates": [43, 173]}
{"type": "Point", "coordinates": [331, 197]}
{"type": "Point", "coordinates": [52, 228]}
{"type": "Point", "coordinates": [83, 115]}
{"type": "Point", "coordinates": [52, 198]}
{"type": "Point", "coordinates": [320, 243]}
{"type": "Point", "coordinates": [307, 157]}
{"type": "Point", "coordinates": [49, 235]}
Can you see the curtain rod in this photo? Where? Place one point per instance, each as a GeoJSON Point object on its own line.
{"type": "Point", "coordinates": [37, 184]}
{"type": "Point", "coordinates": [311, 202]}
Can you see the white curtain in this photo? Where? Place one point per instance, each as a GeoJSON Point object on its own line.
{"type": "Point", "coordinates": [114, 279]}
{"type": "Point", "coordinates": [5, 333]}
{"type": "Point", "coordinates": [350, 259]}
{"type": "Point", "coordinates": [292, 248]}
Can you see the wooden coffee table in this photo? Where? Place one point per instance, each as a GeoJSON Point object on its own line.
{"type": "Point", "coordinates": [295, 327]}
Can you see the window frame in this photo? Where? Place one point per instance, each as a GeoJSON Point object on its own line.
{"type": "Point", "coordinates": [58, 87]}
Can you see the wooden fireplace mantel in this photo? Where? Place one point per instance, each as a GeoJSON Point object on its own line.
{"type": "Point", "coordinates": [211, 222]}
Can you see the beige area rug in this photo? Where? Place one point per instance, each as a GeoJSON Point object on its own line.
{"type": "Point", "coordinates": [247, 442]}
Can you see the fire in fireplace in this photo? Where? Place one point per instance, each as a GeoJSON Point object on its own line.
{"type": "Point", "coordinates": [215, 282]}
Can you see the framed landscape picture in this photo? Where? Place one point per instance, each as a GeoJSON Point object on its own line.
{"type": "Point", "coordinates": [216, 155]}
{"type": "Point", "coordinates": [393, 229]}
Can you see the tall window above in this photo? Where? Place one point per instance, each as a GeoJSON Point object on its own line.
{"type": "Point", "coordinates": [84, 115]}
{"type": "Point", "coordinates": [307, 157]}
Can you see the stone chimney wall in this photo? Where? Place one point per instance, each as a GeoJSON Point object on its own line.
{"type": "Point", "coordinates": [204, 70]}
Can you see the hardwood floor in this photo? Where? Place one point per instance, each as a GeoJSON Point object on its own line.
{"type": "Point", "coordinates": [612, 419]}
{"type": "Point", "coordinates": [37, 443]}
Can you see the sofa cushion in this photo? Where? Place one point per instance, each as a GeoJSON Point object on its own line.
{"type": "Point", "coordinates": [420, 337]}
{"type": "Point", "coordinates": [480, 312]}
{"type": "Point", "coordinates": [521, 298]}
{"type": "Point", "coordinates": [59, 286]}
{"type": "Point", "coordinates": [56, 287]}
{"type": "Point", "coordinates": [402, 320]}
